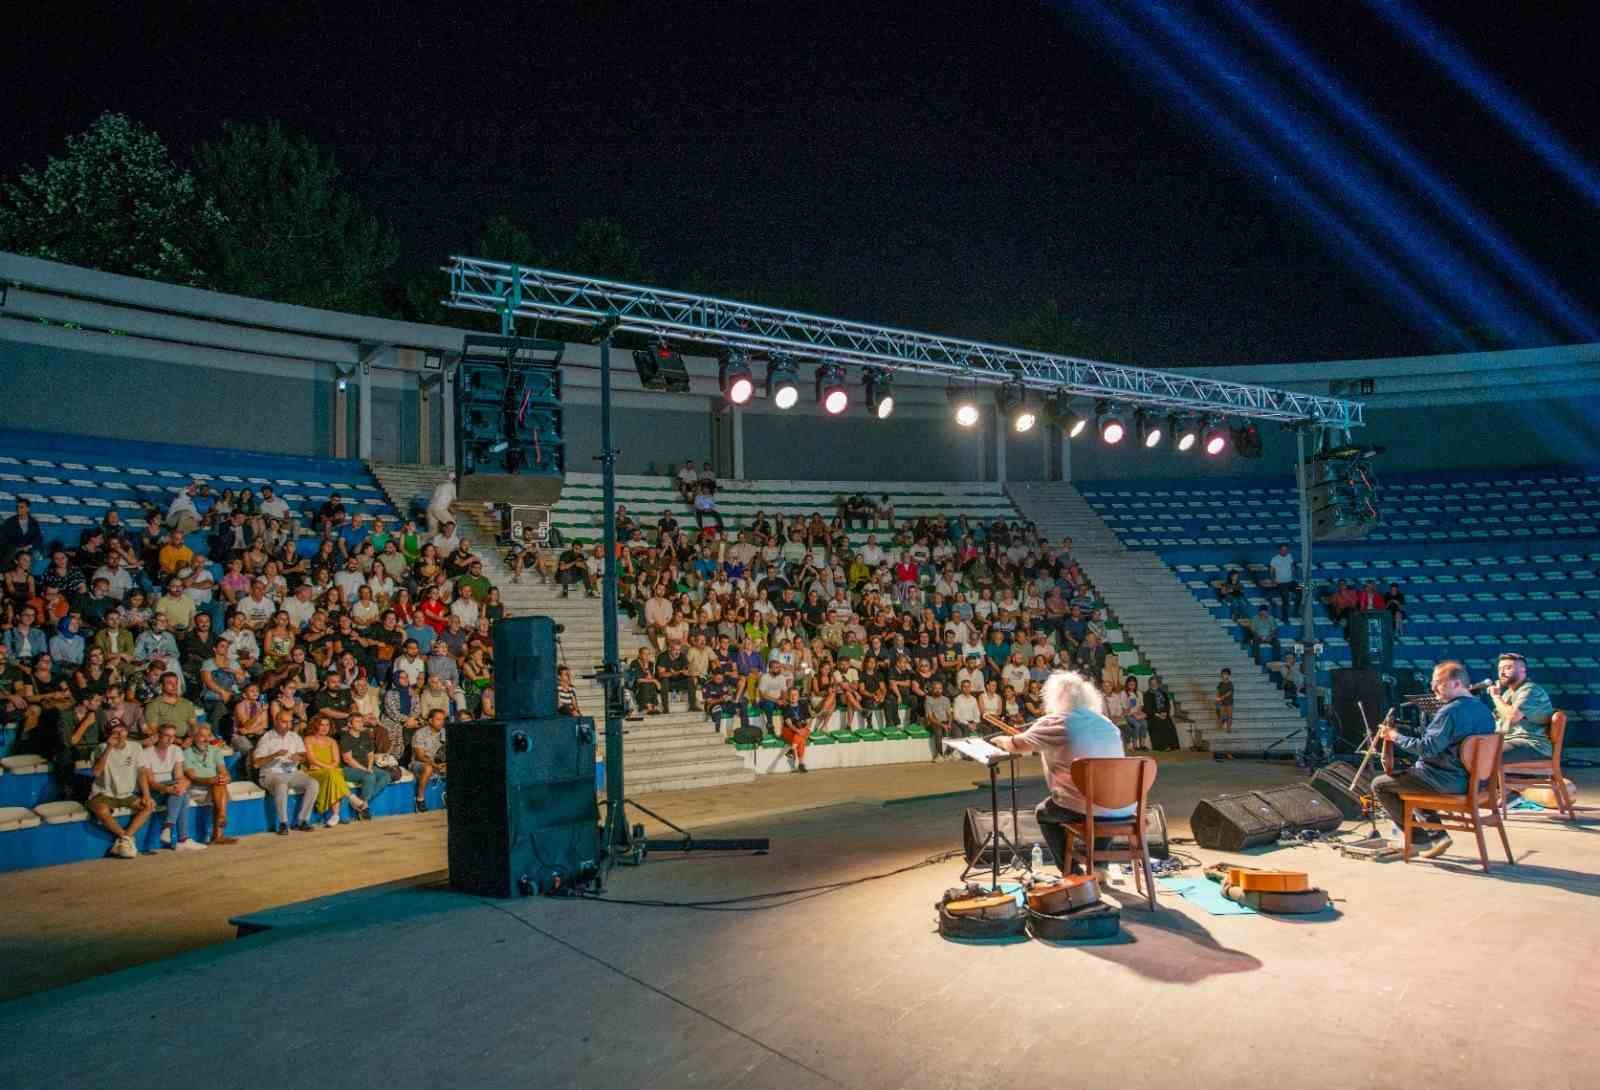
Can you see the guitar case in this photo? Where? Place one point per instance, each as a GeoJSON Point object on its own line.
{"type": "Point", "coordinates": [971, 913]}
{"type": "Point", "coordinates": [1302, 903]}
{"type": "Point", "coordinates": [1101, 920]}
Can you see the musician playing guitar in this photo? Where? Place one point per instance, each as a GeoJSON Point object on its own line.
{"type": "Point", "coordinates": [1073, 726]}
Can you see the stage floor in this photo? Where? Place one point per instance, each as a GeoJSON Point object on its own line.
{"type": "Point", "coordinates": [1431, 973]}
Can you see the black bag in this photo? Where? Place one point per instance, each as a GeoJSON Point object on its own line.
{"type": "Point", "coordinates": [748, 735]}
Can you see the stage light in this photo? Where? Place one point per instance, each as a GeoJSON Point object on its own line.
{"type": "Point", "coordinates": [733, 376]}
{"type": "Point", "coordinates": [1148, 427]}
{"type": "Point", "coordinates": [1109, 421]}
{"type": "Point", "coordinates": [831, 394]}
{"type": "Point", "coordinates": [781, 387]}
{"type": "Point", "coordinates": [1185, 432]}
{"type": "Point", "coordinates": [499, 447]}
{"type": "Point", "coordinates": [963, 398]}
{"type": "Point", "coordinates": [1215, 438]}
{"type": "Point", "coordinates": [879, 386]}
{"type": "Point", "coordinates": [1060, 412]}
{"type": "Point", "coordinates": [1012, 398]}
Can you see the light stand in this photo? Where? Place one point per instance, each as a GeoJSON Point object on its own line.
{"type": "Point", "coordinates": [618, 842]}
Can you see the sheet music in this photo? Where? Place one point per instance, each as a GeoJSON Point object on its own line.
{"type": "Point", "coordinates": [977, 749]}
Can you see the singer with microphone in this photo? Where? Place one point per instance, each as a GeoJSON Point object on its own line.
{"type": "Point", "coordinates": [1522, 710]}
{"type": "Point", "coordinates": [1438, 768]}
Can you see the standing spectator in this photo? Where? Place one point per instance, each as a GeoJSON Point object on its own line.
{"type": "Point", "coordinates": [1224, 700]}
{"type": "Point", "coordinates": [1280, 574]}
{"type": "Point", "coordinates": [119, 783]}
{"type": "Point", "coordinates": [796, 727]}
{"type": "Point", "coordinates": [278, 757]}
{"type": "Point", "coordinates": [1158, 716]}
{"type": "Point", "coordinates": [439, 504]}
{"type": "Point", "coordinates": [20, 533]}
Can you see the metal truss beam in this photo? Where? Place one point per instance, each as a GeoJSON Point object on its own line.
{"type": "Point", "coordinates": [514, 291]}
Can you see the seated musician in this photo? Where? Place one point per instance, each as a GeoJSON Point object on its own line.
{"type": "Point", "coordinates": [1522, 711]}
{"type": "Point", "coordinates": [1071, 727]}
{"type": "Point", "coordinates": [1438, 768]}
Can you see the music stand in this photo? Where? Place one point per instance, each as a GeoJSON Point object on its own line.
{"type": "Point", "coordinates": [991, 756]}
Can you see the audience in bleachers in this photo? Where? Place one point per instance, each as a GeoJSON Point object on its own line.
{"type": "Point", "coordinates": [217, 627]}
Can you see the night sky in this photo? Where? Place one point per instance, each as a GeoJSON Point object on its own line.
{"type": "Point", "coordinates": [934, 165]}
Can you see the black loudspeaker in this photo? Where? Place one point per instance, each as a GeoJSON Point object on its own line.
{"type": "Point", "coordinates": [1337, 783]}
{"type": "Point", "coordinates": [522, 816]}
{"type": "Point", "coordinates": [1356, 692]}
{"type": "Point", "coordinates": [525, 667]}
{"type": "Point", "coordinates": [1253, 818]}
{"type": "Point", "coordinates": [1371, 636]}
{"type": "Point", "coordinates": [975, 833]}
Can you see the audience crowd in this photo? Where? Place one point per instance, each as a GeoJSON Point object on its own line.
{"type": "Point", "coordinates": [335, 663]}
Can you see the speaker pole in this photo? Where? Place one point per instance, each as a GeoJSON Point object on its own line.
{"type": "Point", "coordinates": [616, 840]}
{"type": "Point", "coordinates": [1308, 659]}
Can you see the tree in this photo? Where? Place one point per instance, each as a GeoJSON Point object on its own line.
{"type": "Point", "coordinates": [1046, 328]}
{"type": "Point", "coordinates": [291, 234]}
{"type": "Point", "coordinates": [115, 201]}
{"type": "Point", "coordinates": [599, 248]}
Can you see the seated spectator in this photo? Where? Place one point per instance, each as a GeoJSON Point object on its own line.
{"type": "Point", "coordinates": [207, 774]}
{"type": "Point", "coordinates": [325, 764]}
{"type": "Point", "coordinates": [938, 716]}
{"type": "Point", "coordinates": [247, 719]}
{"type": "Point", "coordinates": [1395, 602]}
{"type": "Point", "coordinates": [24, 641]}
{"type": "Point", "coordinates": [1340, 601]}
{"type": "Point", "coordinates": [772, 685]}
{"type": "Point", "coordinates": [1231, 593]}
{"type": "Point", "coordinates": [428, 755]}
{"type": "Point", "coordinates": [67, 645]}
{"type": "Point", "coordinates": [182, 516]}
{"type": "Point", "coordinates": [646, 687]}
{"type": "Point", "coordinates": [165, 777]}
{"type": "Point", "coordinates": [359, 753]}
{"type": "Point", "coordinates": [169, 709]}
{"type": "Point", "coordinates": [278, 758]}
{"type": "Point", "coordinates": [174, 555]}
{"type": "Point", "coordinates": [687, 480]}
{"type": "Point", "coordinates": [1137, 719]}
{"type": "Point", "coordinates": [1262, 631]}
{"type": "Point", "coordinates": [119, 783]}
{"type": "Point", "coordinates": [705, 507]}
{"type": "Point", "coordinates": [795, 728]}
{"type": "Point", "coordinates": [965, 713]}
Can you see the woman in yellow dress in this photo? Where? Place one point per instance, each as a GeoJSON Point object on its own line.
{"type": "Point", "coordinates": [324, 766]}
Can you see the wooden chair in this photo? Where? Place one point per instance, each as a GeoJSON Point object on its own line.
{"type": "Point", "coordinates": [1480, 755]}
{"type": "Point", "coordinates": [1544, 773]}
{"type": "Point", "coordinates": [1114, 783]}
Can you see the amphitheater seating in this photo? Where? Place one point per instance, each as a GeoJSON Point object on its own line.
{"type": "Point", "coordinates": [1473, 583]}
{"type": "Point", "coordinates": [578, 512]}
{"type": "Point", "coordinates": [72, 481]}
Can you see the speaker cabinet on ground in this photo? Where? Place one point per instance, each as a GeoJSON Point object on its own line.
{"type": "Point", "coordinates": [1357, 692]}
{"type": "Point", "coordinates": [523, 817]}
{"type": "Point", "coordinates": [1337, 783]}
{"type": "Point", "coordinates": [1253, 818]}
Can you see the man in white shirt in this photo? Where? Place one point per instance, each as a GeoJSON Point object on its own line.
{"type": "Point", "coordinates": [466, 608]}
{"type": "Point", "coordinates": [301, 606]}
{"type": "Point", "coordinates": [182, 515]}
{"type": "Point", "coordinates": [239, 637]}
{"type": "Point", "coordinates": [439, 504]}
{"type": "Point", "coordinates": [770, 689]}
{"type": "Point", "coordinates": [871, 554]}
{"type": "Point", "coordinates": [280, 755]}
{"type": "Point", "coordinates": [119, 783]}
{"type": "Point", "coordinates": [688, 479]}
{"type": "Point", "coordinates": [271, 504]}
{"type": "Point", "coordinates": [114, 573]}
{"type": "Point", "coordinates": [964, 712]}
{"type": "Point", "coordinates": [1281, 571]}
{"type": "Point", "coordinates": [255, 609]}
{"type": "Point", "coordinates": [349, 580]}
{"type": "Point", "coordinates": [446, 539]}
{"type": "Point", "coordinates": [1071, 727]}
{"type": "Point", "coordinates": [166, 777]}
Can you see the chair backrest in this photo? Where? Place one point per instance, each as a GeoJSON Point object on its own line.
{"type": "Point", "coordinates": [1558, 734]}
{"type": "Point", "coordinates": [1114, 782]}
{"type": "Point", "coordinates": [1480, 756]}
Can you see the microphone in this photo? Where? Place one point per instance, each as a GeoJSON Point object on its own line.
{"type": "Point", "coordinates": [1480, 686]}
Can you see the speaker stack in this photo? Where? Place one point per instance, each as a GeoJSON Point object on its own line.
{"type": "Point", "coordinates": [1252, 818]}
{"type": "Point", "coordinates": [523, 817]}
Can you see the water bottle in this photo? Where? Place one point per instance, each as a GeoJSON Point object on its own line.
{"type": "Point", "coordinates": [1038, 859]}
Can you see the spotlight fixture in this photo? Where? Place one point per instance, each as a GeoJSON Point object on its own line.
{"type": "Point", "coordinates": [1012, 398]}
{"type": "Point", "coordinates": [1064, 416]}
{"type": "Point", "coordinates": [879, 386]}
{"type": "Point", "coordinates": [661, 367]}
{"type": "Point", "coordinates": [733, 376]}
{"type": "Point", "coordinates": [1185, 432]}
{"type": "Point", "coordinates": [831, 394]}
{"type": "Point", "coordinates": [1147, 426]}
{"type": "Point", "coordinates": [781, 387]}
{"type": "Point", "coordinates": [963, 399]}
{"type": "Point", "coordinates": [1215, 438]}
{"type": "Point", "coordinates": [1109, 421]}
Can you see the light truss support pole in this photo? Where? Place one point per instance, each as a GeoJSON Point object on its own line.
{"type": "Point", "coordinates": [511, 290]}
{"type": "Point", "coordinates": [1308, 629]}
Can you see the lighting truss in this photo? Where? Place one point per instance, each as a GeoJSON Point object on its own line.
{"type": "Point", "coordinates": [516, 291]}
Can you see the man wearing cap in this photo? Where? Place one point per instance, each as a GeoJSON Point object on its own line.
{"type": "Point", "coordinates": [119, 783]}
{"type": "Point", "coordinates": [1522, 711]}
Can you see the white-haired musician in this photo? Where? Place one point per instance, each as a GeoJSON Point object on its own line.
{"type": "Point", "coordinates": [1072, 726]}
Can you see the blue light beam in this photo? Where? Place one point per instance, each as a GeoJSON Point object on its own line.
{"type": "Point", "coordinates": [1417, 308]}
{"type": "Point", "coordinates": [1450, 202]}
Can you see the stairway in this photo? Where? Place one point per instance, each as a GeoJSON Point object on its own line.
{"type": "Point", "coordinates": [669, 752]}
{"type": "Point", "coordinates": [1182, 641]}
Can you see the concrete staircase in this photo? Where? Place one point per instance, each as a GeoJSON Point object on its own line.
{"type": "Point", "coordinates": [669, 752]}
{"type": "Point", "coordinates": [1181, 640]}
